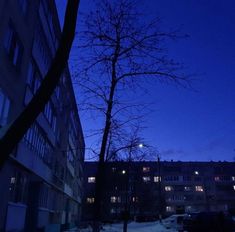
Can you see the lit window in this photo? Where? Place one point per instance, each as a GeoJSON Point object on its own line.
{"type": "Point", "coordinates": [196, 173]}
{"type": "Point", "coordinates": [123, 171]}
{"type": "Point", "coordinates": [13, 180]}
{"type": "Point", "coordinates": [188, 208]}
{"type": "Point", "coordinates": [187, 188]}
{"type": "Point", "coordinates": [4, 108]}
{"type": "Point", "coordinates": [146, 169]}
{"type": "Point", "coordinates": [233, 187]}
{"type": "Point", "coordinates": [18, 188]}
{"type": "Point", "coordinates": [91, 179]}
{"type": "Point", "coordinates": [169, 209]}
{"type": "Point", "coordinates": [112, 211]}
{"type": "Point", "coordinates": [168, 188]}
{"type": "Point", "coordinates": [156, 178]}
{"type": "Point", "coordinates": [233, 178]}
{"type": "Point", "coordinates": [134, 199]}
{"type": "Point", "coordinates": [90, 200]}
{"type": "Point", "coordinates": [199, 188]}
{"type": "Point", "coordinates": [146, 178]}
{"type": "Point", "coordinates": [217, 178]}
{"type": "Point", "coordinates": [114, 199]}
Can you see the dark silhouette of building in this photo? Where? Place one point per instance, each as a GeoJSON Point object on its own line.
{"type": "Point", "coordinates": [41, 184]}
{"type": "Point", "coordinates": [164, 188]}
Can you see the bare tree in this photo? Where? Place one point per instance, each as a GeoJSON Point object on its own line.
{"type": "Point", "coordinates": [120, 50]}
{"type": "Point", "coordinates": [13, 133]}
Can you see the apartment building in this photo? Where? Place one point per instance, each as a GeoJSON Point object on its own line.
{"type": "Point", "coordinates": [41, 183]}
{"type": "Point", "coordinates": [153, 188]}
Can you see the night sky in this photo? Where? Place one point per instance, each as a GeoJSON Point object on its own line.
{"type": "Point", "coordinates": [192, 125]}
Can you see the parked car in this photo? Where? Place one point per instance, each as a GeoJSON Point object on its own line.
{"type": "Point", "coordinates": [208, 222]}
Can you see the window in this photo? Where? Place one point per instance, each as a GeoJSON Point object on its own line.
{"type": "Point", "coordinates": [189, 197]}
{"type": "Point", "coordinates": [176, 198]}
{"type": "Point", "coordinates": [91, 179]}
{"type": "Point", "coordinates": [47, 20]}
{"type": "Point", "coordinates": [43, 196]}
{"type": "Point", "coordinates": [18, 189]}
{"type": "Point", "coordinates": [4, 108]}
{"type": "Point", "coordinates": [197, 178]}
{"type": "Point", "coordinates": [233, 187]}
{"type": "Point", "coordinates": [146, 169]}
{"type": "Point", "coordinates": [123, 171]}
{"type": "Point", "coordinates": [179, 188]}
{"type": "Point", "coordinates": [169, 209]}
{"type": "Point", "coordinates": [171, 178]}
{"type": "Point", "coordinates": [199, 188]}
{"type": "Point", "coordinates": [156, 178]}
{"type": "Point", "coordinates": [36, 140]}
{"type": "Point", "coordinates": [112, 211]}
{"type": "Point", "coordinates": [168, 188]}
{"type": "Point", "coordinates": [233, 178]}
{"type": "Point", "coordinates": [33, 77]}
{"type": "Point", "coordinates": [225, 178]}
{"type": "Point", "coordinates": [146, 178]}
{"type": "Point", "coordinates": [41, 52]}
{"type": "Point", "coordinates": [50, 114]}
{"type": "Point", "coordinates": [13, 46]}
{"type": "Point", "coordinates": [196, 172]}
{"type": "Point", "coordinates": [187, 188]}
{"type": "Point", "coordinates": [224, 188]}
{"type": "Point", "coordinates": [217, 178]}
{"type": "Point", "coordinates": [70, 155]}
{"type": "Point", "coordinates": [187, 178]}
{"type": "Point", "coordinates": [134, 199]}
{"type": "Point", "coordinates": [90, 200]}
{"type": "Point", "coordinates": [188, 208]}
{"type": "Point", "coordinates": [114, 199]}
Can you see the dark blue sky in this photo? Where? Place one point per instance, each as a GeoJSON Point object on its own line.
{"type": "Point", "coordinates": [194, 125]}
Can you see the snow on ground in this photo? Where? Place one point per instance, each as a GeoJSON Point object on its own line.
{"type": "Point", "coordinates": [136, 227]}
{"type": "Point", "coordinates": [139, 227]}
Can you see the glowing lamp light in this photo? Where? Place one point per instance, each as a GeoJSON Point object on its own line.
{"type": "Point", "coordinates": [141, 145]}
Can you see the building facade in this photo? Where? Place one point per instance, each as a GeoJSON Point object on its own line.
{"type": "Point", "coordinates": [41, 183]}
{"type": "Point", "coordinates": [147, 189]}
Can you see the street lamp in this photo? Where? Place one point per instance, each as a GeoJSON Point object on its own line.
{"type": "Point", "coordinates": [141, 145]}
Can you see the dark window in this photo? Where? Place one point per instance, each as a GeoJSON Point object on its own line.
{"type": "Point", "coordinates": [13, 46]}
{"type": "Point", "coordinates": [224, 188]}
{"type": "Point", "coordinates": [34, 78]}
{"type": "Point", "coordinates": [172, 169]}
{"type": "Point", "coordinates": [4, 108]}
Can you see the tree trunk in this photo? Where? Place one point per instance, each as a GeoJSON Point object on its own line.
{"type": "Point", "coordinates": [99, 186]}
{"type": "Point", "coordinates": [16, 130]}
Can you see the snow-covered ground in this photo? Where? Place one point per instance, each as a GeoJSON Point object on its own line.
{"type": "Point", "coordinates": [137, 227]}
{"type": "Point", "coordinates": [140, 227]}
